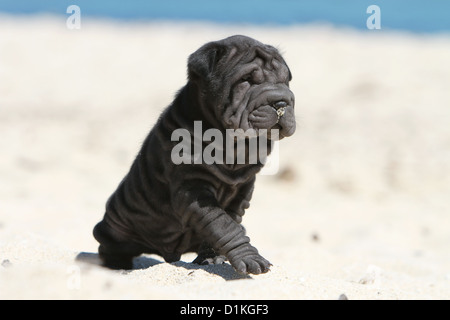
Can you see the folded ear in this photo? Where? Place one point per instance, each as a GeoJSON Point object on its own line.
{"type": "Point", "coordinates": [202, 63]}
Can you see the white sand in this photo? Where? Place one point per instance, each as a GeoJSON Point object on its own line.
{"type": "Point", "coordinates": [361, 207]}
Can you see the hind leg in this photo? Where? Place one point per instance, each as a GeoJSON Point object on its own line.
{"type": "Point", "coordinates": [115, 254]}
{"type": "Point", "coordinates": [207, 255]}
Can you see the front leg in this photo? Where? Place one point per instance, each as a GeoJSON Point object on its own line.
{"type": "Point", "coordinates": [237, 207]}
{"type": "Point", "coordinates": [200, 210]}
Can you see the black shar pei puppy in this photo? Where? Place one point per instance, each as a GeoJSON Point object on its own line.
{"type": "Point", "coordinates": [169, 209]}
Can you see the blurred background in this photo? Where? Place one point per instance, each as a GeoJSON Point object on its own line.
{"type": "Point", "coordinates": [366, 177]}
{"type": "Point", "coordinates": [412, 15]}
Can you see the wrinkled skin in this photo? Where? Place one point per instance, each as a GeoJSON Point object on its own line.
{"type": "Point", "coordinates": [168, 209]}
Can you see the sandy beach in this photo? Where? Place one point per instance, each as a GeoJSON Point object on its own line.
{"type": "Point", "coordinates": [360, 205]}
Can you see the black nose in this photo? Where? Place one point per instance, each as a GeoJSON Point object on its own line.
{"type": "Point", "coordinates": [279, 105]}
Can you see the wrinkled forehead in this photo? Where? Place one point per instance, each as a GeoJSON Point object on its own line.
{"type": "Point", "coordinates": [254, 53]}
{"type": "Point", "coordinates": [247, 51]}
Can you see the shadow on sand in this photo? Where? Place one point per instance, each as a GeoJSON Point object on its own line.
{"type": "Point", "coordinates": [226, 271]}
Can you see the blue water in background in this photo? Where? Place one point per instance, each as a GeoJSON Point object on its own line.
{"type": "Point", "coordinates": [423, 16]}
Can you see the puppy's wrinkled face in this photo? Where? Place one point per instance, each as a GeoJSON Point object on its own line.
{"type": "Point", "coordinates": [245, 85]}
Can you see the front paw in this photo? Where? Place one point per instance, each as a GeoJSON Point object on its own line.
{"type": "Point", "coordinates": [246, 259]}
{"type": "Point", "coordinates": [210, 260]}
